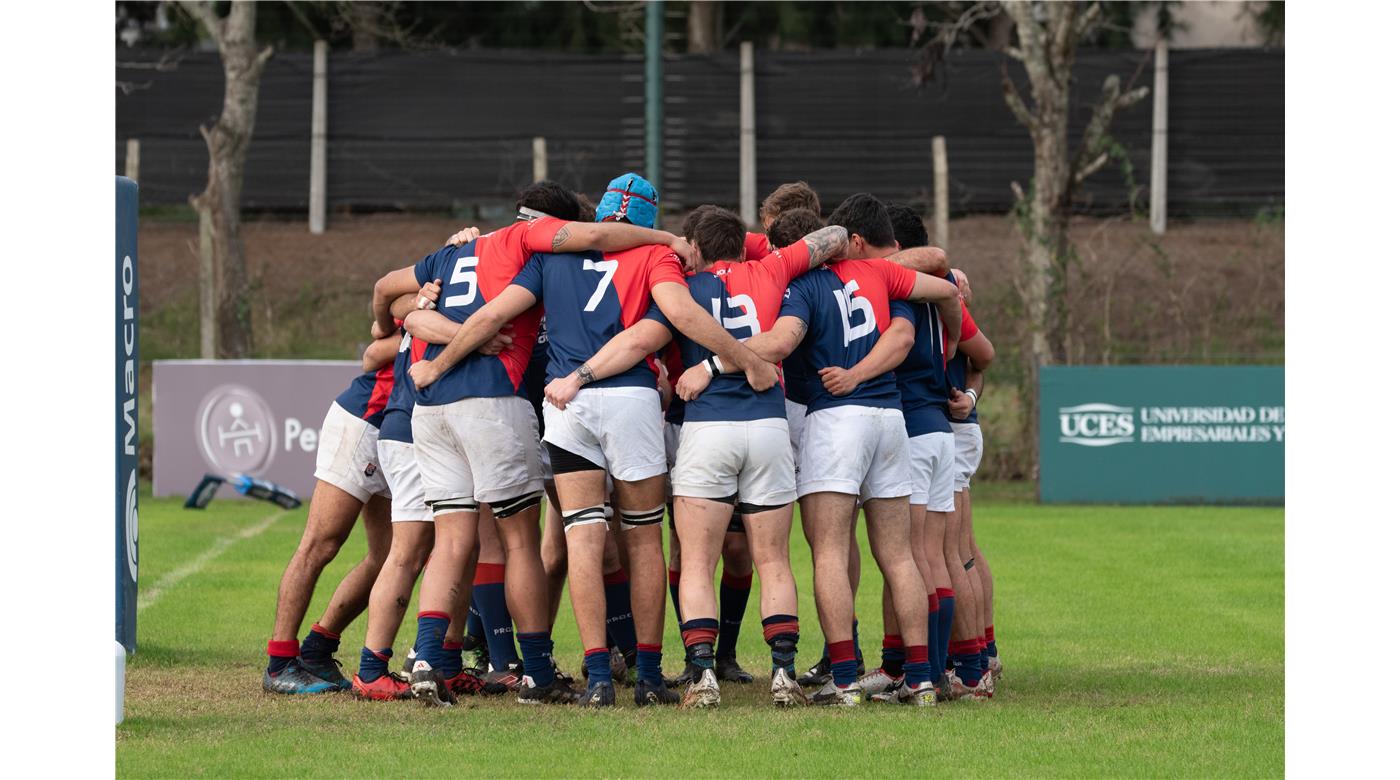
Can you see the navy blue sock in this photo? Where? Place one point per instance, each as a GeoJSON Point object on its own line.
{"type": "Point", "coordinates": [991, 642]}
{"type": "Point", "coordinates": [617, 592]}
{"type": "Point", "coordinates": [598, 664]}
{"type": "Point", "coordinates": [427, 647]}
{"type": "Point", "coordinates": [475, 629]}
{"type": "Point", "coordinates": [675, 580]}
{"type": "Point", "coordinates": [451, 659]}
{"type": "Point", "coordinates": [319, 644]}
{"type": "Point", "coordinates": [374, 663]}
{"type": "Point", "coordinates": [781, 633]}
{"type": "Point", "coordinates": [280, 653]}
{"type": "Point", "coordinates": [733, 601]}
{"type": "Point", "coordinates": [855, 641]}
{"type": "Point", "coordinates": [649, 663]}
{"type": "Point", "coordinates": [967, 663]}
{"type": "Point", "coordinates": [916, 668]}
{"type": "Point", "coordinates": [537, 651]}
{"type": "Point", "coordinates": [946, 605]}
{"type": "Point", "coordinates": [699, 634]}
{"type": "Point", "coordinates": [843, 662]}
{"type": "Point", "coordinates": [489, 594]}
{"type": "Point", "coordinates": [892, 655]}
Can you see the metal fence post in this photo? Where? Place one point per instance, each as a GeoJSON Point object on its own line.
{"type": "Point", "coordinates": [940, 192]}
{"type": "Point", "coordinates": [1159, 142]}
{"type": "Point", "coordinates": [748, 173]}
{"type": "Point", "coordinates": [133, 159]}
{"type": "Point", "coordinates": [541, 154]}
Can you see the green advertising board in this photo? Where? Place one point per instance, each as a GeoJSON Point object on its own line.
{"type": "Point", "coordinates": [1161, 434]}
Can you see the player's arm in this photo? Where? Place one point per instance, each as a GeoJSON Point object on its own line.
{"type": "Point", "coordinates": [615, 237]}
{"type": "Point", "coordinates": [389, 288]}
{"type": "Point", "coordinates": [434, 328]}
{"type": "Point", "coordinates": [622, 352]}
{"type": "Point", "coordinates": [477, 330]}
{"type": "Point", "coordinates": [889, 351]}
{"type": "Point", "coordinates": [686, 316]}
{"type": "Point", "coordinates": [825, 244]}
{"type": "Point", "coordinates": [380, 353]}
{"type": "Point", "coordinates": [979, 351]}
{"type": "Point", "coordinates": [925, 259]}
{"type": "Point", "coordinates": [961, 404]}
{"type": "Point", "coordinates": [944, 296]}
{"type": "Point", "coordinates": [771, 345]}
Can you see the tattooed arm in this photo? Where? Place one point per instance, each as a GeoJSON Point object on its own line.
{"type": "Point", "coordinates": [617, 236]}
{"type": "Point", "coordinates": [826, 244]}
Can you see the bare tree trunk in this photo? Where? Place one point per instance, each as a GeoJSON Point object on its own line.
{"type": "Point", "coordinates": [702, 26]}
{"type": "Point", "coordinates": [1047, 35]}
{"type": "Point", "coordinates": [226, 285]}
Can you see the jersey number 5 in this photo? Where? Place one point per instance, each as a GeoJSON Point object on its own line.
{"type": "Point", "coordinates": [464, 271]}
{"type": "Point", "coordinates": [851, 304]}
{"type": "Point", "coordinates": [605, 267]}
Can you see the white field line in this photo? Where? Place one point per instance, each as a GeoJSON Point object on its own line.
{"type": "Point", "coordinates": [195, 565]}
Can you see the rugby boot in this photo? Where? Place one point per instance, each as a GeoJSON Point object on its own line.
{"type": "Point", "coordinates": [785, 691]}
{"type": "Point", "coordinates": [833, 695]}
{"type": "Point", "coordinates": [429, 687]}
{"type": "Point", "coordinates": [727, 668]}
{"type": "Point", "coordinates": [499, 681]}
{"type": "Point", "coordinates": [328, 670]}
{"type": "Point", "coordinates": [961, 691]}
{"type": "Point", "coordinates": [557, 692]}
{"type": "Point", "coordinates": [465, 684]}
{"type": "Point", "coordinates": [922, 695]}
{"type": "Point", "coordinates": [819, 674]}
{"type": "Point", "coordinates": [387, 688]}
{"type": "Point", "coordinates": [295, 679]}
{"type": "Point", "coordinates": [647, 693]}
{"type": "Point", "coordinates": [599, 694]}
{"type": "Point", "coordinates": [702, 693]}
{"type": "Point", "coordinates": [879, 685]}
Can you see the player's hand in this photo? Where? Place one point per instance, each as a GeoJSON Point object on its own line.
{"type": "Point", "coordinates": [693, 382]}
{"type": "Point", "coordinates": [498, 343]}
{"type": "Point", "coordinates": [761, 374]}
{"type": "Point", "coordinates": [838, 381]}
{"type": "Point", "coordinates": [663, 385]}
{"type": "Point", "coordinates": [964, 286]}
{"type": "Point", "coordinates": [464, 236]}
{"type": "Point", "coordinates": [424, 373]}
{"type": "Point", "coordinates": [689, 255]}
{"type": "Point", "coordinates": [959, 404]}
{"type": "Point", "coordinates": [376, 331]}
{"type": "Point", "coordinates": [561, 391]}
{"type": "Point", "coordinates": [427, 297]}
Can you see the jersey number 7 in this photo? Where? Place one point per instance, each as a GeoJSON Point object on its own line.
{"type": "Point", "coordinates": [607, 268]}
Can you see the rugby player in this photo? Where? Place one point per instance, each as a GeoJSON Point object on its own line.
{"type": "Point", "coordinates": [973, 640]}
{"type": "Point", "coordinates": [854, 446]}
{"type": "Point", "coordinates": [734, 453]}
{"type": "Point", "coordinates": [612, 428]}
{"type": "Point", "coordinates": [349, 483]}
{"type": "Point", "coordinates": [923, 394]}
{"type": "Point", "coordinates": [475, 438]}
{"type": "Point", "coordinates": [787, 197]}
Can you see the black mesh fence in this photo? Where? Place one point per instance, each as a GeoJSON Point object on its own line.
{"type": "Point", "coordinates": [415, 130]}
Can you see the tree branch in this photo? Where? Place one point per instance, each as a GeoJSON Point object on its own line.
{"type": "Point", "coordinates": [1092, 156]}
{"type": "Point", "coordinates": [1012, 96]}
{"type": "Point", "coordinates": [204, 14]}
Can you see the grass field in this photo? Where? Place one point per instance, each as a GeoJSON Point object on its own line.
{"type": "Point", "coordinates": [1137, 642]}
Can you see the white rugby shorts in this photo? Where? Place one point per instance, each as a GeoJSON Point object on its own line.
{"type": "Point", "coordinates": [857, 450]}
{"type": "Point", "coordinates": [933, 471]}
{"type": "Point", "coordinates": [796, 419]}
{"type": "Point", "coordinates": [347, 455]}
{"type": "Point", "coordinates": [405, 485]}
{"type": "Point", "coordinates": [967, 438]}
{"type": "Point", "coordinates": [619, 428]}
{"type": "Point", "coordinates": [672, 438]}
{"type": "Point", "coordinates": [751, 458]}
{"type": "Point", "coordinates": [477, 449]}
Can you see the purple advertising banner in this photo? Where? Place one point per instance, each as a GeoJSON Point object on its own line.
{"type": "Point", "coordinates": [256, 417]}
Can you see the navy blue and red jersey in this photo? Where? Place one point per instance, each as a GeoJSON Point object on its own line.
{"type": "Point", "coordinates": [367, 395]}
{"type": "Point", "coordinates": [670, 356]}
{"type": "Point", "coordinates": [922, 380]}
{"type": "Point", "coordinates": [591, 297]}
{"type": "Point", "coordinates": [745, 298]}
{"type": "Point", "coordinates": [846, 307]}
{"type": "Point", "coordinates": [756, 246]}
{"type": "Point", "coordinates": [534, 375]}
{"type": "Point", "coordinates": [472, 275]}
{"type": "Point", "coordinates": [398, 413]}
{"type": "Point", "coordinates": [957, 367]}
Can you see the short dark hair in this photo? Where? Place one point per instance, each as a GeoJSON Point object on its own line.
{"type": "Point", "coordinates": [864, 215]}
{"type": "Point", "coordinates": [909, 228]}
{"type": "Point", "coordinates": [693, 218]}
{"type": "Point", "coordinates": [719, 235]}
{"type": "Point", "coordinates": [790, 226]}
{"type": "Point", "coordinates": [588, 210]}
{"type": "Point", "coordinates": [549, 197]}
{"type": "Point", "coordinates": [793, 195]}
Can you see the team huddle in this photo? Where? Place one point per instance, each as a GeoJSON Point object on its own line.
{"type": "Point", "coordinates": [625, 374]}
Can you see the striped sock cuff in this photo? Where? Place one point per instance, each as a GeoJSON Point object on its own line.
{"type": "Point", "coordinates": [433, 614]}
{"type": "Point", "coordinates": [283, 648]}
{"type": "Point", "coordinates": [893, 642]}
{"type": "Point", "coordinates": [698, 631]}
{"type": "Point", "coordinates": [327, 633]}
{"type": "Point", "coordinates": [736, 581]}
{"type": "Point", "coordinates": [944, 593]}
{"type": "Point", "coordinates": [489, 574]}
{"type": "Point", "coordinates": [618, 577]}
{"type": "Point", "coordinates": [841, 651]}
{"type": "Point", "coordinates": [776, 625]}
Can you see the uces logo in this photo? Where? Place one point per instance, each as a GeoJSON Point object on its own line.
{"type": "Point", "coordinates": [1096, 425]}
